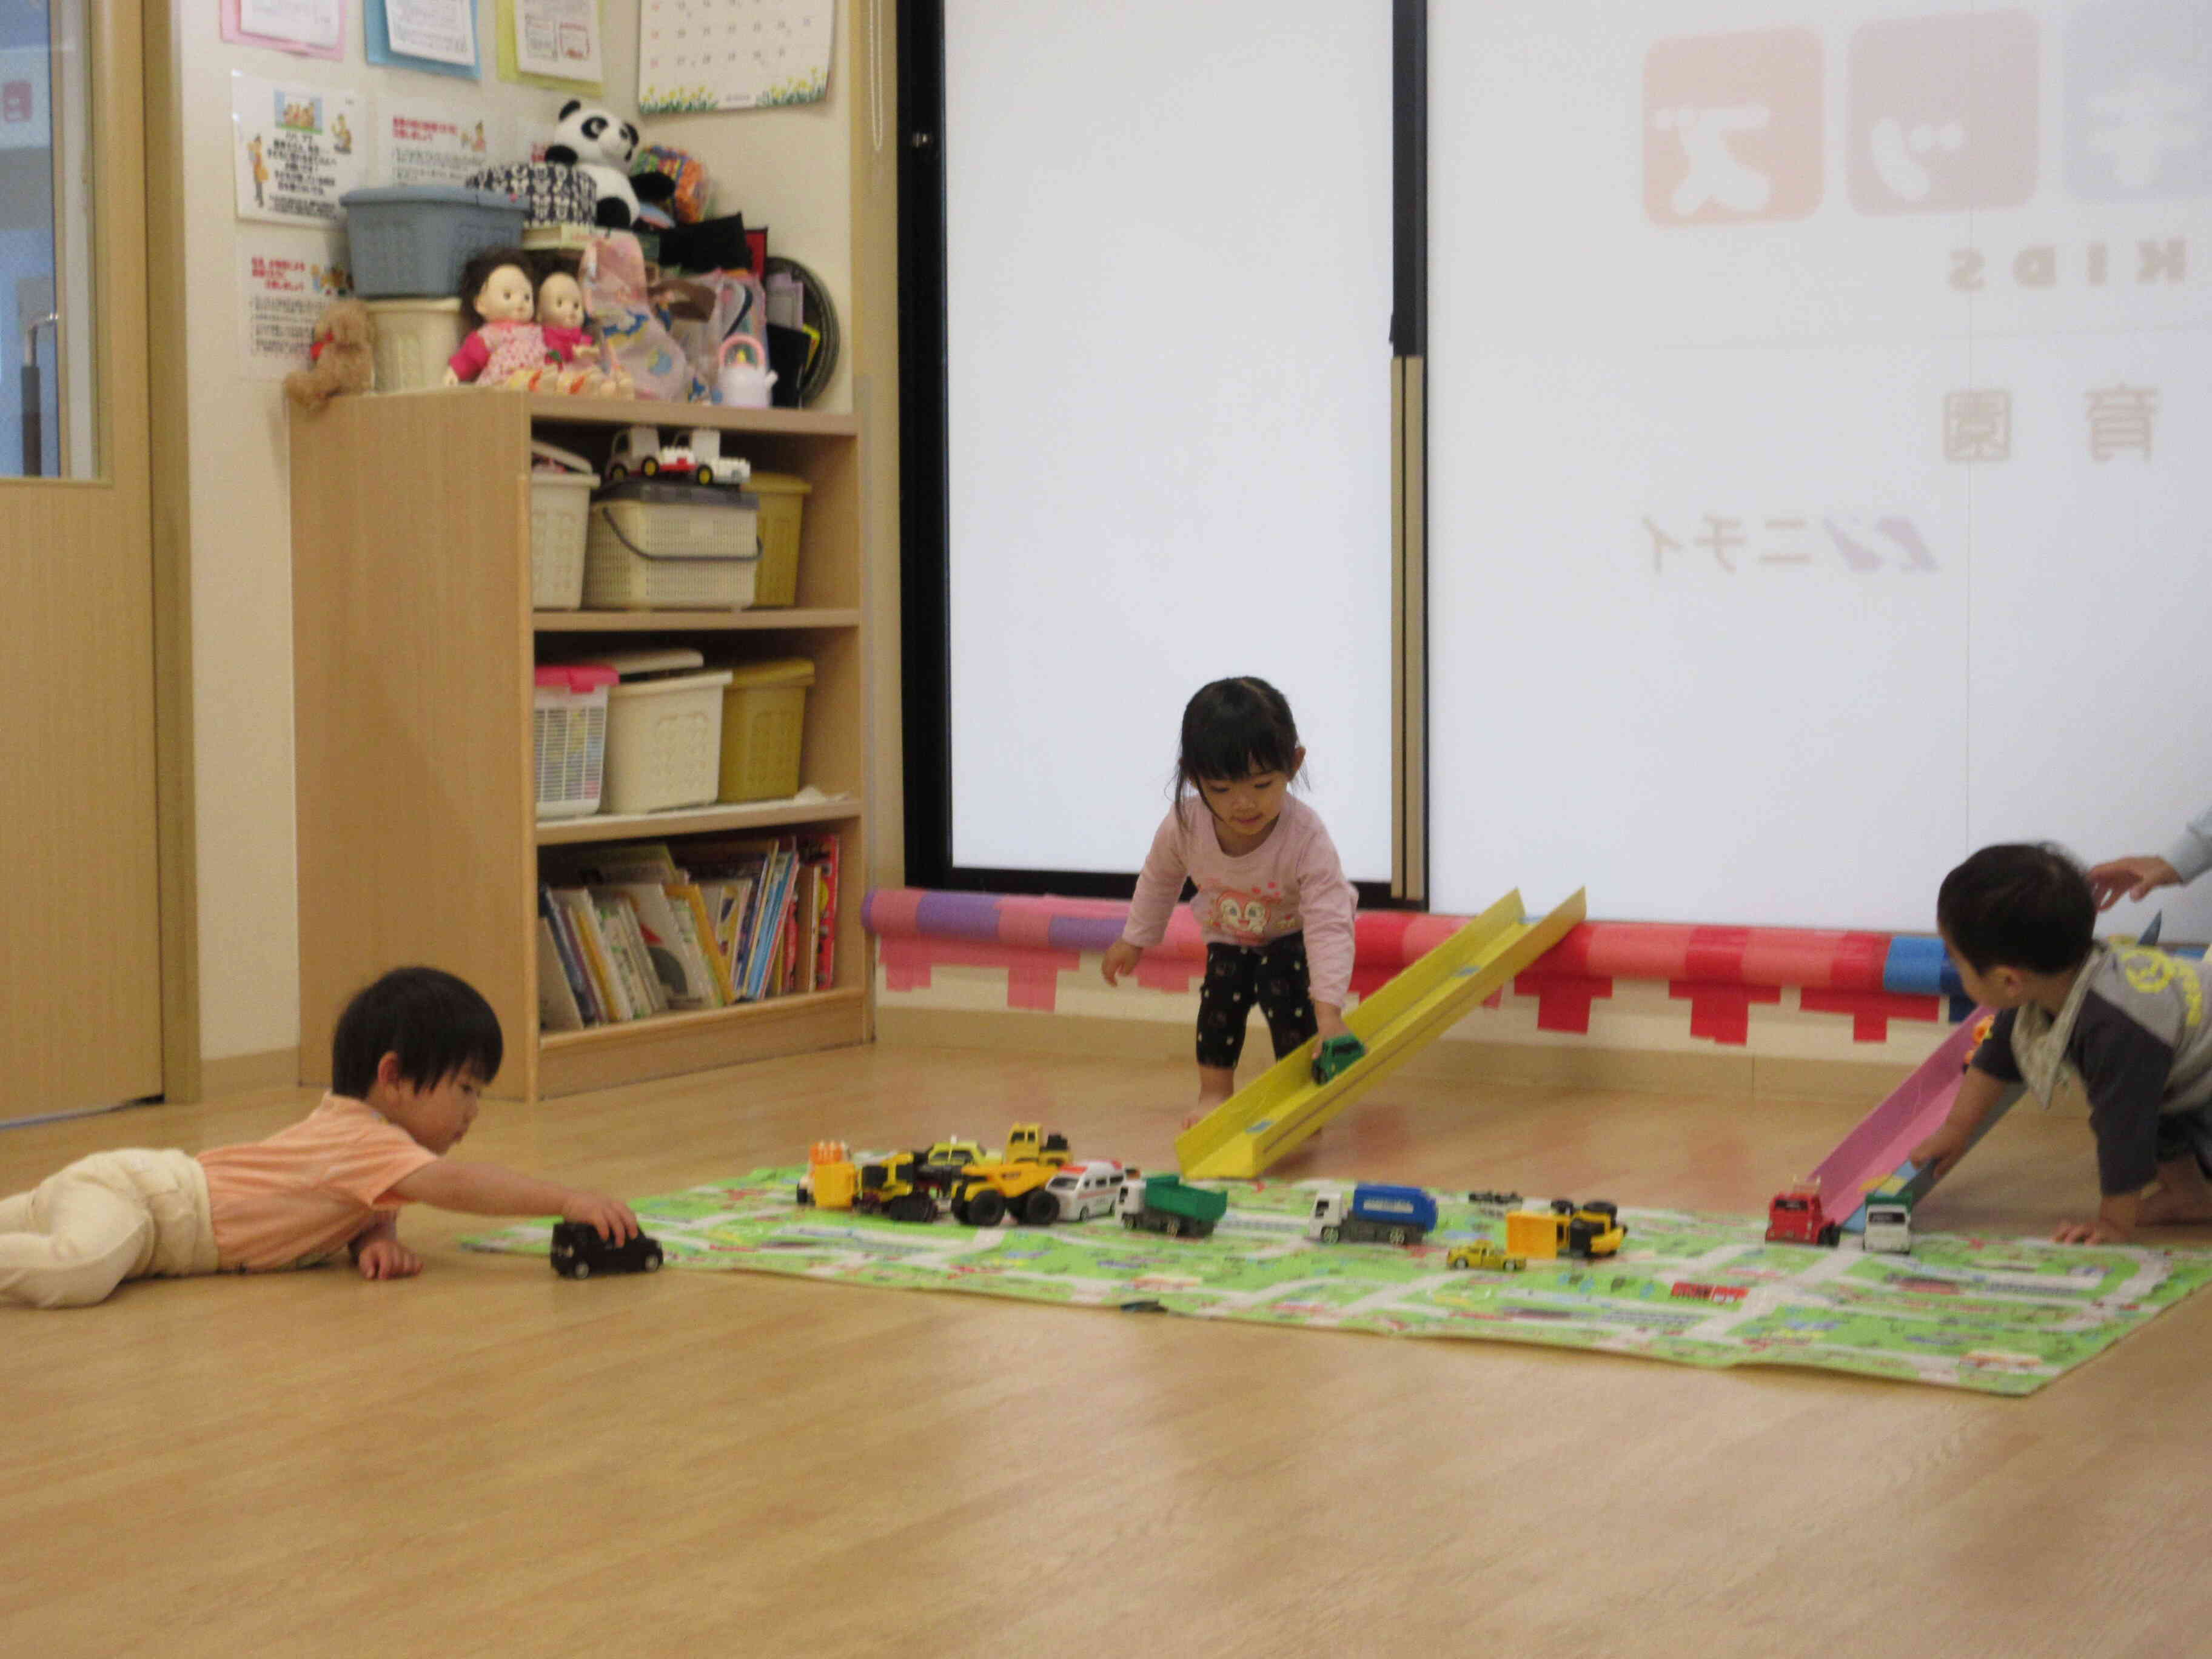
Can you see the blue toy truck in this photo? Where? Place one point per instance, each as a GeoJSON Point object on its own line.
{"type": "Point", "coordinates": [1372, 1213]}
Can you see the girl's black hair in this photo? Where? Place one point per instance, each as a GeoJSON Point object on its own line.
{"type": "Point", "coordinates": [438, 1025]}
{"type": "Point", "coordinates": [477, 271]}
{"type": "Point", "coordinates": [1231, 729]}
{"type": "Point", "coordinates": [2017, 906]}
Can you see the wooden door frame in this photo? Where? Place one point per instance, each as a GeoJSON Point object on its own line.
{"type": "Point", "coordinates": [168, 419]}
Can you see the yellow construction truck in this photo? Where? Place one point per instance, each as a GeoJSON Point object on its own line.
{"type": "Point", "coordinates": [984, 1192]}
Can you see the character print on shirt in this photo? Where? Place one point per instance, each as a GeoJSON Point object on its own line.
{"type": "Point", "coordinates": [2152, 971]}
{"type": "Point", "coordinates": [1250, 917]}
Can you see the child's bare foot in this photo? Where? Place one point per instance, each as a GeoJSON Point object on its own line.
{"type": "Point", "coordinates": [2182, 1196]}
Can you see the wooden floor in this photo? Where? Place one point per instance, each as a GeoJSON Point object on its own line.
{"type": "Point", "coordinates": [487, 1460]}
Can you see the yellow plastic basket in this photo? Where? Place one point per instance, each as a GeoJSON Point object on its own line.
{"type": "Point", "coordinates": [782, 508]}
{"type": "Point", "coordinates": [764, 728]}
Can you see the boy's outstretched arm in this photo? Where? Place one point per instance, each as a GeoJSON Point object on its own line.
{"type": "Point", "coordinates": [1978, 1094]}
{"type": "Point", "coordinates": [488, 1189]}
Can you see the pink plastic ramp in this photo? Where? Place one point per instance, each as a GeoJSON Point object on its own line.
{"type": "Point", "coordinates": [1878, 1148]}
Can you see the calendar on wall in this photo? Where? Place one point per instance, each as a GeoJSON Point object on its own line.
{"type": "Point", "coordinates": [731, 54]}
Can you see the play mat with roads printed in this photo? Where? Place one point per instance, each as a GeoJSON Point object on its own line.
{"type": "Point", "coordinates": [1998, 1316]}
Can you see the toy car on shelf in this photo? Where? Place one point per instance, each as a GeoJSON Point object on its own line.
{"type": "Point", "coordinates": [579, 1252]}
{"type": "Point", "coordinates": [1485, 1255]}
{"type": "Point", "coordinates": [696, 458]}
{"type": "Point", "coordinates": [1797, 1217]}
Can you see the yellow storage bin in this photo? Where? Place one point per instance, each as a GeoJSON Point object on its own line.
{"type": "Point", "coordinates": [782, 505]}
{"type": "Point", "coordinates": [763, 725]}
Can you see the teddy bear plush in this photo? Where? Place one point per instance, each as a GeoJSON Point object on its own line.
{"type": "Point", "coordinates": [341, 357]}
{"type": "Point", "coordinates": [601, 145]}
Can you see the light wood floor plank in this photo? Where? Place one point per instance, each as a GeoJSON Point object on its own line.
{"type": "Point", "coordinates": [489, 1461]}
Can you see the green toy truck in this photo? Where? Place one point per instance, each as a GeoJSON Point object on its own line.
{"type": "Point", "coordinates": [1163, 1204]}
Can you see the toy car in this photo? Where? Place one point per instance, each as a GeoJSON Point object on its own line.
{"type": "Point", "coordinates": [1484, 1255]}
{"type": "Point", "coordinates": [1797, 1217]}
{"type": "Point", "coordinates": [1503, 1201]}
{"type": "Point", "coordinates": [696, 456]}
{"type": "Point", "coordinates": [579, 1252]}
{"type": "Point", "coordinates": [1338, 1054]}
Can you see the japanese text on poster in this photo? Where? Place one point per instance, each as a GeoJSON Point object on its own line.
{"type": "Point", "coordinates": [301, 22]}
{"type": "Point", "coordinates": [298, 150]}
{"type": "Point", "coordinates": [285, 281]}
{"type": "Point", "coordinates": [559, 38]}
{"type": "Point", "coordinates": [427, 142]}
{"type": "Point", "coordinates": [444, 31]}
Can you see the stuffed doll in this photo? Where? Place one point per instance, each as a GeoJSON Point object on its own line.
{"type": "Point", "coordinates": [341, 357]}
{"type": "Point", "coordinates": [507, 347]}
{"type": "Point", "coordinates": [572, 353]}
{"type": "Point", "coordinates": [601, 146]}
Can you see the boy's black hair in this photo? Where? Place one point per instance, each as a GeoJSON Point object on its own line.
{"type": "Point", "coordinates": [436, 1023]}
{"type": "Point", "coordinates": [1231, 729]}
{"type": "Point", "coordinates": [2018, 906]}
{"type": "Point", "coordinates": [478, 269]}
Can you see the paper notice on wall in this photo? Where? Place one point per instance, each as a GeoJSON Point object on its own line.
{"type": "Point", "coordinates": [444, 31]}
{"type": "Point", "coordinates": [284, 280]}
{"type": "Point", "coordinates": [314, 23]}
{"type": "Point", "coordinates": [298, 150]}
{"type": "Point", "coordinates": [424, 142]}
{"type": "Point", "coordinates": [558, 37]}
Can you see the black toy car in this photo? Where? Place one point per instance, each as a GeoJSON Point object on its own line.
{"type": "Point", "coordinates": [579, 1252]}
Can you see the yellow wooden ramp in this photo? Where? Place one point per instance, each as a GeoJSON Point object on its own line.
{"type": "Point", "coordinates": [1280, 1108]}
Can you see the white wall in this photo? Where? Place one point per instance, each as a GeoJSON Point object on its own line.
{"type": "Point", "coordinates": [241, 535]}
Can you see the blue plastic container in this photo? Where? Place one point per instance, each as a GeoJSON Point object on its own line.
{"type": "Point", "coordinates": [411, 240]}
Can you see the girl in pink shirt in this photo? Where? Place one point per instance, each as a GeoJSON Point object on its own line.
{"type": "Point", "coordinates": [1273, 903]}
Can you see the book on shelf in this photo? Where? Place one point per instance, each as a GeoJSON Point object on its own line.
{"type": "Point", "coordinates": [628, 932]}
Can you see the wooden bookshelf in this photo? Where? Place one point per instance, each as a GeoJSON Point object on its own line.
{"type": "Point", "coordinates": [414, 640]}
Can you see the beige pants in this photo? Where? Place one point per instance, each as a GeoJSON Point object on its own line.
{"type": "Point", "coordinates": [107, 1217]}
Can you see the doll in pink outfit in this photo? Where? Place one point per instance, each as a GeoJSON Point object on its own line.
{"type": "Point", "coordinates": [507, 346]}
{"type": "Point", "coordinates": [569, 342]}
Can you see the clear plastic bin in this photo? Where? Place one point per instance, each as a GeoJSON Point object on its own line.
{"type": "Point", "coordinates": [569, 717]}
{"type": "Point", "coordinates": [764, 728]}
{"type": "Point", "coordinates": [782, 508]}
{"type": "Point", "coordinates": [560, 504]}
{"type": "Point", "coordinates": [408, 240]}
{"type": "Point", "coordinates": [664, 731]}
{"type": "Point", "coordinates": [653, 545]}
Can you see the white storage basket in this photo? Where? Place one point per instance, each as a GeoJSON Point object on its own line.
{"type": "Point", "coordinates": [569, 732]}
{"type": "Point", "coordinates": [672, 546]}
{"type": "Point", "coordinates": [560, 505]}
{"type": "Point", "coordinates": [414, 339]}
{"type": "Point", "coordinates": [664, 732]}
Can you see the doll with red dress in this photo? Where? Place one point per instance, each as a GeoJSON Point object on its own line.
{"type": "Point", "coordinates": [507, 347]}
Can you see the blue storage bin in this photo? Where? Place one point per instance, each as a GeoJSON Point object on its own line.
{"type": "Point", "coordinates": [408, 240]}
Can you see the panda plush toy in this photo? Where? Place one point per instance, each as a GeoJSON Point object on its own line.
{"type": "Point", "coordinates": [600, 144]}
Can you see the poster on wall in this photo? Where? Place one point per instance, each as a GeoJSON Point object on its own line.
{"type": "Point", "coordinates": [557, 37]}
{"type": "Point", "coordinates": [298, 150]}
{"type": "Point", "coordinates": [423, 142]}
{"type": "Point", "coordinates": [284, 280]}
{"type": "Point", "coordinates": [444, 31]}
{"type": "Point", "coordinates": [731, 54]}
{"type": "Point", "coordinates": [310, 28]}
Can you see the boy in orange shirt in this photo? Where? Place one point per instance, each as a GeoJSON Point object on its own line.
{"type": "Point", "coordinates": [409, 1061]}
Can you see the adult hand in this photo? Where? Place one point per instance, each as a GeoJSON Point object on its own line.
{"type": "Point", "coordinates": [2134, 877]}
{"type": "Point", "coordinates": [388, 1258]}
{"type": "Point", "coordinates": [610, 1218]}
{"type": "Point", "coordinates": [1122, 958]}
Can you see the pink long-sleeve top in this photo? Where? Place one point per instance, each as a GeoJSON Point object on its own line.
{"type": "Point", "coordinates": [1292, 882]}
